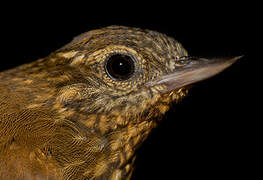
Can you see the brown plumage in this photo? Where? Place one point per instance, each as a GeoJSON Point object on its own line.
{"type": "Point", "coordinates": [82, 111]}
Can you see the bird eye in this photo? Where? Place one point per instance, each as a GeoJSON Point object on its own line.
{"type": "Point", "coordinates": [120, 66]}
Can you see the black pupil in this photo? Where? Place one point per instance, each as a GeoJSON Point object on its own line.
{"type": "Point", "coordinates": [120, 66]}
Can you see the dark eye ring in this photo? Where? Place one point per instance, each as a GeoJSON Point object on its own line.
{"type": "Point", "coordinates": [120, 66]}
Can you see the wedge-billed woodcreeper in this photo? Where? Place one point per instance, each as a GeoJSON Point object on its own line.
{"type": "Point", "coordinates": [82, 111]}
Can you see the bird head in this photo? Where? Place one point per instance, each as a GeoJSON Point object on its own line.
{"type": "Point", "coordinates": [119, 76]}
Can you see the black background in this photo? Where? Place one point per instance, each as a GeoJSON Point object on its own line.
{"type": "Point", "coordinates": [212, 133]}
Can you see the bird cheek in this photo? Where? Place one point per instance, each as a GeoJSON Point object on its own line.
{"type": "Point", "coordinates": [69, 94]}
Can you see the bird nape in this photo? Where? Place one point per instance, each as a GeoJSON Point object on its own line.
{"type": "Point", "coordinates": [82, 111]}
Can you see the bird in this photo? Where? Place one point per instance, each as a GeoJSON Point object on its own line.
{"type": "Point", "coordinates": [83, 111]}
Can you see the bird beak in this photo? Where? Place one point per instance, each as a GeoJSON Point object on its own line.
{"type": "Point", "coordinates": [192, 70]}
